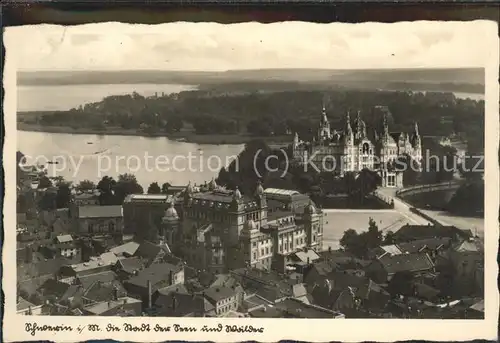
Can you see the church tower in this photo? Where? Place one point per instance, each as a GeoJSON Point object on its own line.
{"type": "Point", "coordinates": [417, 145]}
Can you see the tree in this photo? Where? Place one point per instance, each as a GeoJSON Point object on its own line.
{"type": "Point", "coordinates": [126, 184]}
{"type": "Point", "coordinates": [401, 284]}
{"type": "Point", "coordinates": [44, 182]}
{"type": "Point", "coordinates": [165, 187]}
{"type": "Point", "coordinates": [63, 196]}
{"type": "Point", "coordinates": [106, 188]}
{"type": "Point", "coordinates": [154, 188]}
{"type": "Point", "coordinates": [374, 235]}
{"type": "Point", "coordinates": [389, 238]}
{"type": "Point", "coordinates": [410, 169]}
{"type": "Point", "coordinates": [85, 186]}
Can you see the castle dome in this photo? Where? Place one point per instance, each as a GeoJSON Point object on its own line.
{"type": "Point", "coordinates": [310, 209]}
{"type": "Point", "coordinates": [171, 213]}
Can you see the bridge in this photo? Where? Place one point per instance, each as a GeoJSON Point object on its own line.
{"type": "Point", "coordinates": [450, 185]}
{"type": "Point", "coordinates": [395, 196]}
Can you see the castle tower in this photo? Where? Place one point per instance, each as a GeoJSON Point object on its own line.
{"type": "Point", "coordinates": [348, 158]}
{"type": "Point", "coordinates": [324, 131]}
{"type": "Point", "coordinates": [313, 226]}
{"type": "Point", "coordinates": [417, 145]}
{"type": "Point", "coordinates": [261, 200]}
{"type": "Point", "coordinates": [170, 225]}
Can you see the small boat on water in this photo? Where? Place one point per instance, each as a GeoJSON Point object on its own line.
{"type": "Point", "coordinates": [53, 162]}
{"type": "Point", "coordinates": [181, 139]}
{"type": "Point", "coordinates": [90, 142]}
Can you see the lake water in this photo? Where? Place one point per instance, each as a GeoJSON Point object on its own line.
{"type": "Point", "coordinates": [150, 159]}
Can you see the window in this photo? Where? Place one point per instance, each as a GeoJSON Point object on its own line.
{"type": "Point", "coordinates": [91, 228]}
{"type": "Point", "coordinates": [254, 255]}
{"type": "Point", "coordinates": [267, 251]}
{"type": "Point", "coordinates": [391, 181]}
{"type": "Point", "coordinates": [111, 227]}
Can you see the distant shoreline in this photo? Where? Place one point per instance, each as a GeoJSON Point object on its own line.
{"type": "Point", "coordinates": [185, 137]}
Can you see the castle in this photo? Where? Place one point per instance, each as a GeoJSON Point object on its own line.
{"type": "Point", "coordinates": [353, 149]}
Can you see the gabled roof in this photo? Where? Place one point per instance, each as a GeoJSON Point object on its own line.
{"type": "Point", "coordinates": [23, 304]}
{"type": "Point", "coordinates": [218, 293]}
{"type": "Point", "coordinates": [308, 256]}
{"type": "Point", "coordinates": [150, 250]}
{"type": "Point", "coordinates": [479, 306]}
{"type": "Point", "coordinates": [64, 239]}
{"type": "Point", "coordinates": [128, 248]}
{"type": "Point", "coordinates": [181, 305]}
{"type": "Point", "coordinates": [155, 273]}
{"type": "Point", "coordinates": [406, 262]}
{"type": "Point", "coordinates": [427, 243]}
{"type": "Point", "coordinates": [414, 232]}
{"type": "Point", "coordinates": [102, 277]}
{"type": "Point", "coordinates": [467, 246]}
{"type": "Point", "coordinates": [132, 264]}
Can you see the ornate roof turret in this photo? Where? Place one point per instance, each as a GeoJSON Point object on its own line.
{"type": "Point", "coordinates": [237, 194]}
{"type": "Point", "coordinates": [348, 136]}
{"type": "Point", "coordinates": [212, 185]}
{"type": "Point", "coordinates": [324, 118]}
{"type": "Point", "coordinates": [259, 191]}
{"type": "Point", "coordinates": [310, 208]}
{"type": "Point", "coordinates": [171, 213]}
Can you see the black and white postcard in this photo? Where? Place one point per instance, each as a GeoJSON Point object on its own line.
{"type": "Point", "coordinates": [203, 181]}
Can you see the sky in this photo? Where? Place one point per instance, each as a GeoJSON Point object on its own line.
{"type": "Point", "coordinates": [218, 47]}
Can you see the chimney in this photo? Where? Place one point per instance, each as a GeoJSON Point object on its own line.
{"type": "Point", "coordinates": [174, 303]}
{"type": "Point", "coordinates": [115, 293]}
{"type": "Point", "coordinates": [171, 277]}
{"type": "Point", "coordinates": [149, 304]}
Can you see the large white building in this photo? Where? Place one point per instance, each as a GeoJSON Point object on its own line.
{"type": "Point", "coordinates": [353, 149]}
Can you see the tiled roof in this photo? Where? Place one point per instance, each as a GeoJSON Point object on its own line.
{"type": "Point", "coordinates": [149, 250]}
{"type": "Point", "coordinates": [154, 273]}
{"type": "Point", "coordinates": [406, 262]}
{"type": "Point", "coordinates": [104, 291]}
{"type": "Point", "coordinates": [179, 288]}
{"type": "Point", "coordinates": [106, 259]}
{"type": "Point", "coordinates": [23, 304]}
{"type": "Point", "coordinates": [96, 211]}
{"type": "Point", "coordinates": [218, 293]}
{"type": "Point", "coordinates": [430, 243]}
{"type": "Point", "coordinates": [307, 256]}
{"type": "Point", "coordinates": [479, 306]}
{"type": "Point", "coordinates": [413, 232]}
{"type": "Point", "coordinates": [132, 264]}
{"type": "Point", "coordinates": [103, 277]}
{"type": "Point", "coordinates": [296, 308]}
{"type": "Point", "coordinates": [105, 306]}
{"type": "Point", "coordinates": [64, 238]}
{"type": "Point", "coordinates": [128, 248]}
{"type": "Point", "coordinates": [180, 305]}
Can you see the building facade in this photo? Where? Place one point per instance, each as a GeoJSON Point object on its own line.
{"type": "Point", "coordinates": [221, 229]}
{"type": "Point", "coordinates": [98, 220]}
{"type": "Point", "coordinates": [353, 149]}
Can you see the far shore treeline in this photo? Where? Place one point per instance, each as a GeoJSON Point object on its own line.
{"type": "Point", "coordinates": [269, 114]}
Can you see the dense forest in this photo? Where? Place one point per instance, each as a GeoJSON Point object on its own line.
{"type": "Point", "coordinates": [274, 113]}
